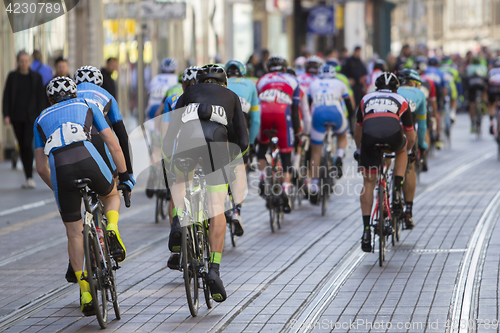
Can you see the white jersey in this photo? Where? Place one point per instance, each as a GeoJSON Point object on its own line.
{"type": "Point", "coordinates": [326, 92]}
{"type": "Point", "coordinates": [494, 76]}
{"type": "Point", "coordinates": [159, 86]}
{"type": "Point", "coordinates": [371, 80]}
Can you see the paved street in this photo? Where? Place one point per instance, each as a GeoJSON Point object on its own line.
{"type": "Point", "coordinates": [309, 276]}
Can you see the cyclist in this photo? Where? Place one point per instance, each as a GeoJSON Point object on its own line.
{"type": "Point", "coordinates": [338, 67]}
{"type": "Point", "coordinates": [64, 153]}
{"type": "Point", "coordinates": [378, 122]}
{"type": "Point", "coordinates": [250, 105]}
{"type": "Point", "coordinates": [326, 94]}
{"type": "Point", "coordinates": [436, 75]}
{"type": "Point", "coordinates": [493, 93]}
{"type": "Point", "coordinates": [89, 81]}
{"type": "Point", "coordinates": [313, 63]}
{"type": "Point", "coordinates": [300, 63]}
{"type": "Point", "coordinates": [477, 75]}
{"type": "Point", "coordinates": [175, 89]}
{"type": "Point", "coordinates": [451, 74]}
{"type": "Point", "coordinates": [410, 80]}
{"type": "Point", "coordinates": [379, 67]}
{"type": "Point", "coordinates": [279, 95]}
{"type": "Point", "coordinates": [214, 107]}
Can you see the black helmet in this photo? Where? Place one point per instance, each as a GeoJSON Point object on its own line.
{"type": "Point", "coordinates": [276, 64]}
{"type": "Point", "coordinates": [61, 88]}
{"type": "Point", "coordinates": [380, 64]}
{"type": "Point", "coordinates": [291, 71]}
{"type": "Point", "coordinates": [420, 64]}
{"type": "Point", "coordinates": [496, 62]}
{"type": "Point", "coordinates": [212, 73]}
{"type": "Point", "coordinates": [387, 81]}
{"type": "Point", "coordinates": [433, 61]}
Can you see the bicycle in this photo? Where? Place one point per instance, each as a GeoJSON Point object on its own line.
{"type": "Point", "coordinates": [273, 170]}
{"type": "Point", "coordinates": [99, 263]}
{"type": "Point", "coordinates": [327, 179]}
{"type": "Point", "coordinates": [228, 209]}
{"type": "Point", "coordinates": [195, 247]}
{"type": "Point", "coordinates": [381, 216]}
{"type": "Point", "coordinates": [301, 173]}
{"type": "Point", "coordinates": [478, 112]}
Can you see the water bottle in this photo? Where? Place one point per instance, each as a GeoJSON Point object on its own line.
{"type": "Point", "coordinates": [100, 234]}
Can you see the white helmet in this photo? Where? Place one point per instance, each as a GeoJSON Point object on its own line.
{"type": "Point", "coordinates": [168, 65]}
{"type": "Point", "coordinates": [300, 62]}
{"type": "Point", "coordinates": [327, 72]}
{"type": "Point", "coordinates": [88, 74]}
{"type": "Point", "coordinates": [61, 88]}
{"type": "Point", "coordinates": [190, 73]}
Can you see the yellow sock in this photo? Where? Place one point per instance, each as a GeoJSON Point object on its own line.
{"type": "Point", "coordinates": [112, 217]}
{"type": "Point", "coordinates": [84, 285]}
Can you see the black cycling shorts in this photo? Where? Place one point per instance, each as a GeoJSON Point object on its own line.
{"type": "Point", "coordinates": [380, 130]}
{"type": "Point", "coordinates": [493, 93]}
{"type": "Point", "coordinates": [473, 90]}
{"type": "Point", "coordinates": [214, 153]}
{"type": "Point", "coordinates": [75, 161]}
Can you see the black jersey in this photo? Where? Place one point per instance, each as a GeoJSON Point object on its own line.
{"type": "Point", "coordinates": [211, 102]}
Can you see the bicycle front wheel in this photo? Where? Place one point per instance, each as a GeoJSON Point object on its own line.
{"type": "Point", "coordinates": [95, 274]}
{"type": "Point", "coordinates": [206, 265]}
{"type": "Point", "coordinates": [189, 269]}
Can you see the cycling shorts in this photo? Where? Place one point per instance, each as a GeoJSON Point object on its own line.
{"type": "Point", "coordinates": [213, 153]}
{"type": "Point", "coordinates": [379, 130]}
{"type": "Point", "coordinates": [327, 114]}
{"type": "Point", "coordinates": [493, 93]}
{"type": "Point", "coordinates": [277, 116]}
{"type": "Point", "coordinates": [77, 160]}
{"type": "Point", "coordinates": [103, 150]}
{"type": "Point", "coordinates": [234, 149]}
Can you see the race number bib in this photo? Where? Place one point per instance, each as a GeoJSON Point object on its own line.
{"type": "Point", "coordinates": [218, 114]}
{"type": "Point", "coordinates": [378, 105]}
{"type": "Point", "coordinates": [65, 135]}
{"type": "Point", "coordinates": [245, 105]}
{"type": "Point", "coordinates": [325, 99]}
{"type": "Point", "coordinates": [275, 96]}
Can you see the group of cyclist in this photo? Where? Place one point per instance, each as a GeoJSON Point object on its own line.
{"type": "Point", "coordinates": [235, 116]}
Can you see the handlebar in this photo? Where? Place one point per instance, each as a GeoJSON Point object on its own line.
{"type": "Point", "coordinates": [126, 194]}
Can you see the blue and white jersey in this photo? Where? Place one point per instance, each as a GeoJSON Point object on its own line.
{"type": "Point", "coordinates": [169, 106]}
{"type": "Point", "coordinates": [92, 93]}
{"type": "Point", "coordinates": [436, 75]}
{"type": "Point", "coordinates": [494, 76]}
{"type": "Point", "coordinates": [327, 92]}
{"type": "Point", "coordinates": [67, 122]}
{"type": "Point", "coordinates": [159, 86]}
{"type": "Point", "coordinates": [247, 92]}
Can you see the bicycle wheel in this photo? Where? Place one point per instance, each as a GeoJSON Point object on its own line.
{"type": "Point", "coordinates": [324, 189]}
{"type": "Point", "coordinates": [381, 224]}
{"type": "Point", "coordinates": [272, 218]}
{"type": "Point", "coordinates": [230, 225]}
{"type": "Point", "coordinates": [479, 113]}
{"type": "Point", "coordinates": [189, 269]}
{"type": "Point", "coordinates": [206, 262]}
{"type": "Point", "coordinates": [158, 208]}
{"type": "Point", "coordinates": [95, 274]}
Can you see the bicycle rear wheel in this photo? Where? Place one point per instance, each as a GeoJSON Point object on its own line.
{"type": "Point", "coordinates": [381, 224]}
{"type": "Point", "coordinates": [95, 274]}
{"type": "Point", "coordinates": [479, 113]}
{"type": "Point", "coordinates": [189, 269]}
{"type": "Point", "coordinates": [206, 263]}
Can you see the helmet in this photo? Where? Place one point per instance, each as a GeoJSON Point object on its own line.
{"type": "Point", "coordinates": [313, 63]}
{"type": "Point", "coordinates": [291, 71]}
{"type": "Point", "coordinates": [420, 64]}
{"type": "Point", "coordinates": [335, 63]}
{"type": "Point", "coordinates": [88, 74]}
{"type": "Point", "coordinates": [407, 74]}
{"type": "Point", "coordinates": [179, 78]}
{"type": "Point", "coordinates": [327, 72]}
{"type": "Point", "coordinates": [168, 65]}
{"type": "Point", "coordinates": [300, 62]}
{"type": "Point", "coordinates": [213, 73]}
{"type": "Point", "coordinates": [61, 88]}
{"type": "Point", "coordinates": [380, 64]}
{"type": "Point", "coordinates": [189, 74]}
{"type": "Point", "coordinates": [387, 81]}
{"type": "Point", "coordinates": [433, 61]}
{"type": "Point", "coordinates": [276, 64]}
{"type": "Point", "coordinates": [496, 62]}
{"type": "Point", "coordinates": [476, 60]}
{"type": "Point", "coordinates": [234, 67]}
{"type": "Point", "coordinates": [447, 61]}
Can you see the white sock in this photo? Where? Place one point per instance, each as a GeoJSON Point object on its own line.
{"type": "Point", "coordinates": [340, 152]}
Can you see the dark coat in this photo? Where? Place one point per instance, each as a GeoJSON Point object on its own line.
{"type": "Point", "coordinates": [37, 102]}
{"type": "Point", "coordinates": [108, 83]}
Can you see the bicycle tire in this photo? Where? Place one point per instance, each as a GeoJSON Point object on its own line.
{"type": "Point", "coordinates": [271, 218]}
{"type": "Point", "coordinates": [158, 208]}
{"type": "Point", "coordinates": [324, 189]}
{"type": "Point", "coordinates": [206, 266]}
{"type": "Point", "coordinates": [230, 224]}
{"type": "Point", "coordinates": [189, 272]}
{"type": "Point", "coordinates": [279, 217]}
{"type": "Point", "coordinates": [478, 114]}
{"type": "Point", "coordinates": [381, 225]}
{"type": "Point", "coordinates": [93, 264]}
{"type": "Point", "coordinates": [164, 206]}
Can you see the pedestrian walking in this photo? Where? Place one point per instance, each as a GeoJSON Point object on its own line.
{"type": "Point", "coordinates": [38, 66]}
{"type": "Point", "coordinates": [108, 83]}
{"type": "Point", "coordinates": [23, 100]}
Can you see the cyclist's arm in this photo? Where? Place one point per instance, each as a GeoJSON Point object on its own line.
{"type": "Point", "coordinates": [254, 116]}
{"type": "Point", "coordinates": [121, 133]}
{"type": "Point", "coordinates": [240, 126]}
{"type": "Point", "coordinates": [42, 162]}
{"type": "Point", "coordinates": [407, 120]}
{"type": "Point", "coordinates": [306, 115]}
{"type": "Point", "coordinates": [295, 111]}
{"type": "Point", "coordinates": [348, 104]}
{"type": "Point", "coordinates": [358, 130]}
{"type": "Point", "coordinates": [422, 123]}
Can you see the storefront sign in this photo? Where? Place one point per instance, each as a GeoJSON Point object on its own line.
{"type": "Point", "coordinates": [321, 20]}
{"type": "Point", "coordinates": [149, 10]}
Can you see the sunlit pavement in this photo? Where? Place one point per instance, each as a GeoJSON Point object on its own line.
{"type": "Point", "coordinates": [308, 276]}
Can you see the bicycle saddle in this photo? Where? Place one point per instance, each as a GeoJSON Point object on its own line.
{"type": "Point", "coordinates": [82, 183]}
{"type": "Point", "coordinates": [184, 164]}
